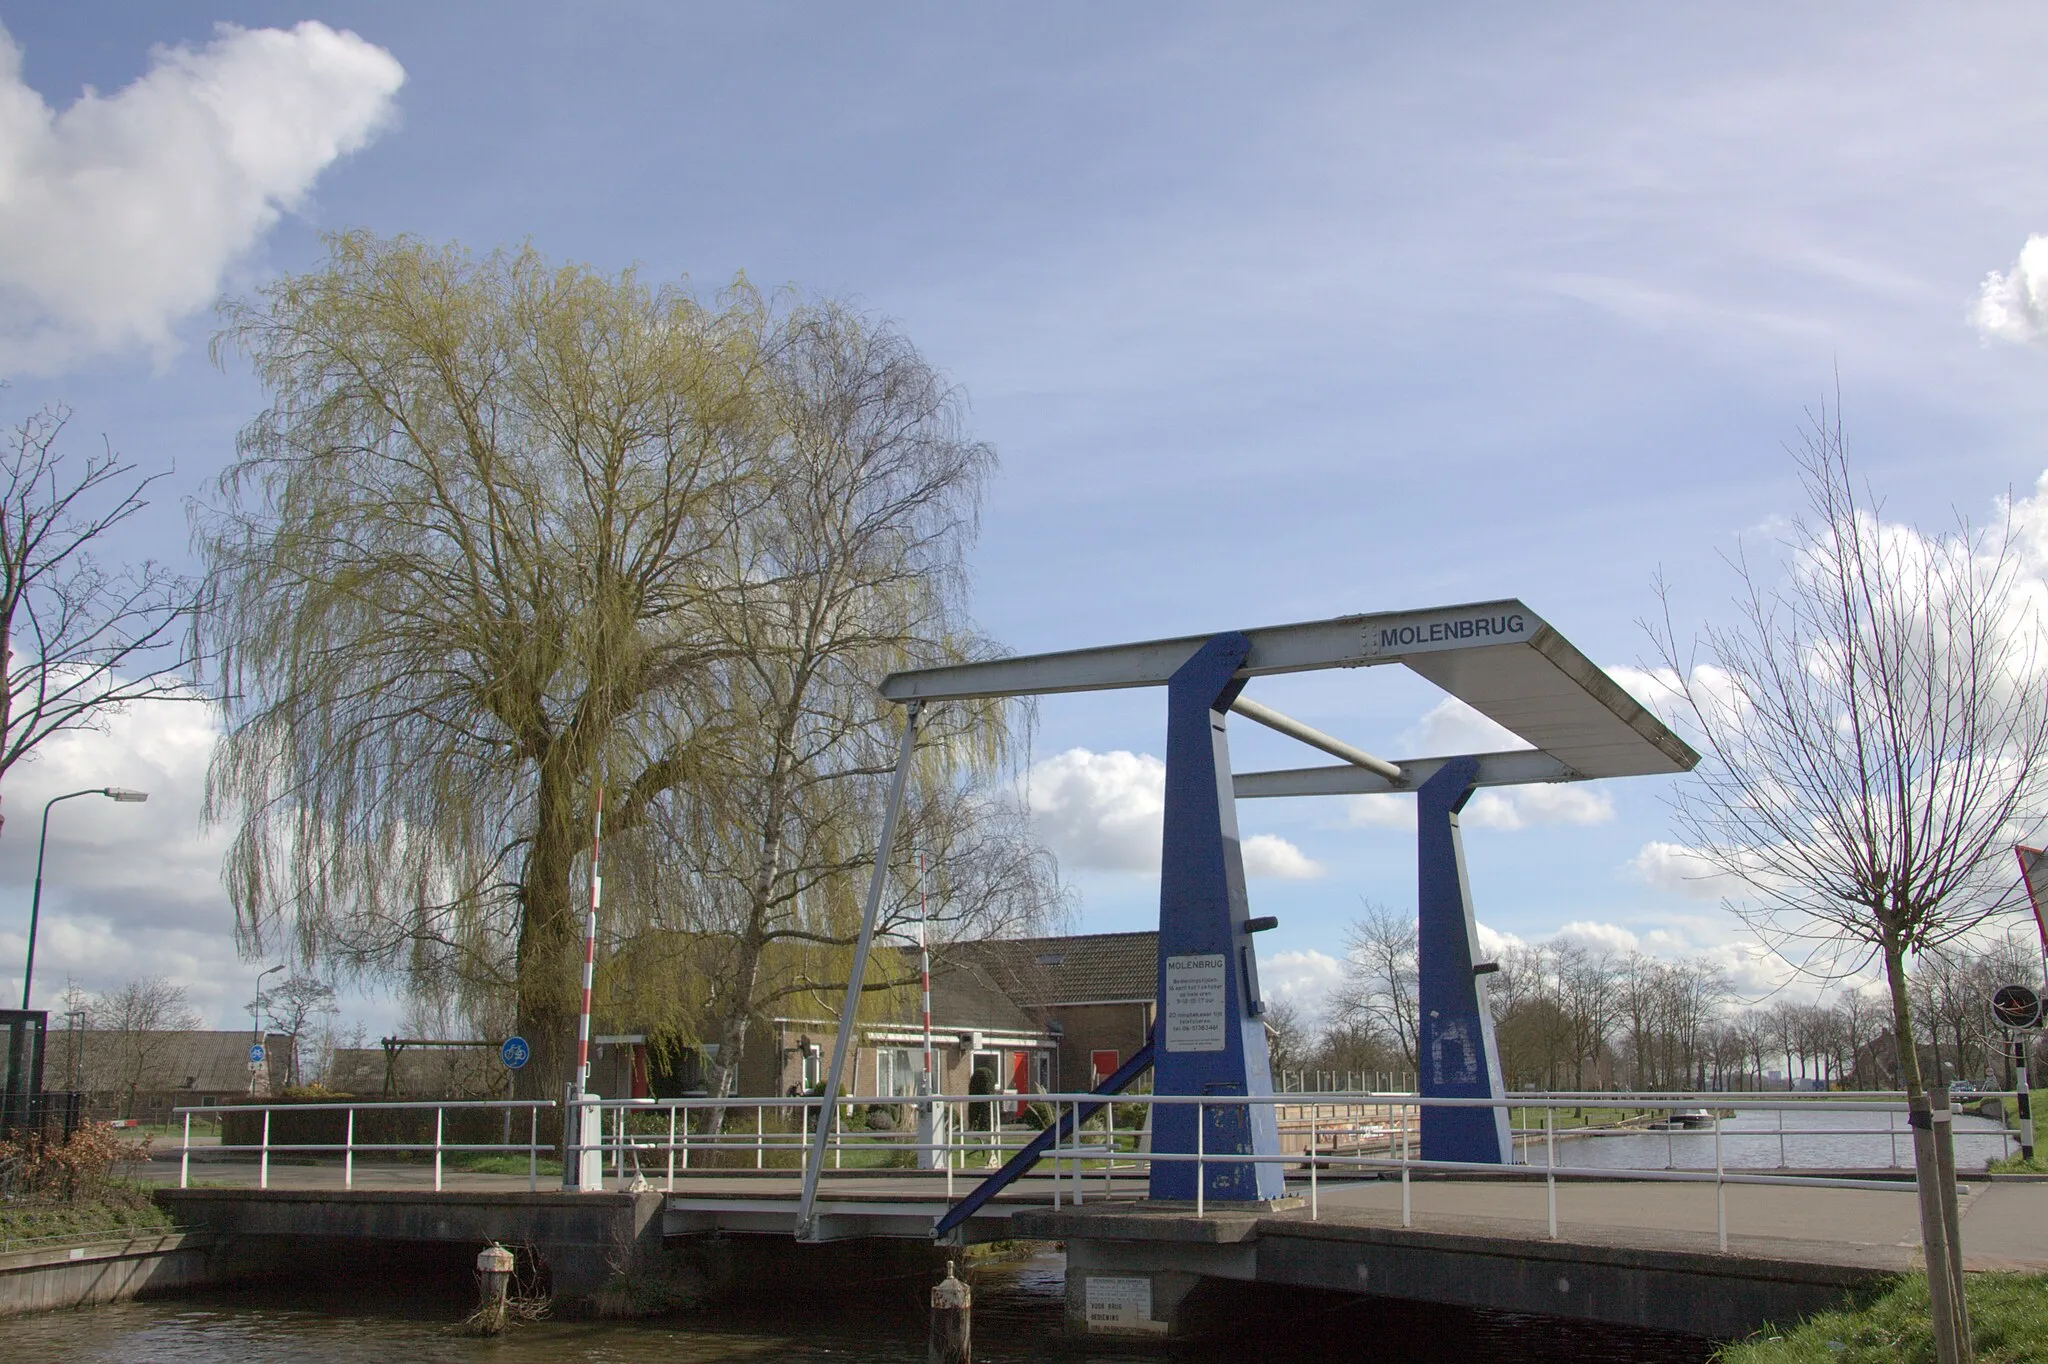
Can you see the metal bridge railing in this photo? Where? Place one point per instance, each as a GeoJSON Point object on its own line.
{"type": "Point", "coordinates": [960, 1139]}
{"type": "Point", "coordinates": [646, 1140]}
{"type": "Point", "coordinates": [349, 1147]}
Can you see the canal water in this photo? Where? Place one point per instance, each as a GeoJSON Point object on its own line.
{"type": "Point", "coordinates": [1018, 1308]}
{"type": "Point", "coordinates": [1754, 1140]}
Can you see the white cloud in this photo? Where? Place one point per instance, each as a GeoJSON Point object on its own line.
{"type": "Point", "coordinates": [1100, 810]}
{"type": "Point", "coordinates": [1680, 870]}
{"type": "Point", "coordinates": [1493, 942]}
{"type": "Point", "coordinates": [128, 890]}
{"type": "Point", "coordinates": [1597, 937]}
{"type": "Point", "coordinates": [1274, 858]}
{"type": "Point", "coordinates": [1303, 979]}
{"type": "Point", "coordinates": [1655, 688]}
{"type": "Point", "coordinates": [1451, 726]}
{"type": "Point", "coordinates": [1103, 812]}
{"type": "Point", "coordinates": [1522, 807]}
{"type": "Point", "coordinates": [2012, 305]}
{"type": "Point", "coordinates": [1497, 807]}
{"type": "Point", "coordinates": [1380, 812]}
{"type": "Point", "coordinates": [120, 215]}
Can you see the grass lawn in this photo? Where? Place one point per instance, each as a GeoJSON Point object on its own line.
{"type": "Point", "coordinates": [124, 1209]}
{"type": "Point", "coordinates": [490, 1163]}
{"type": "Point", "coordinates": [2008, 1321]}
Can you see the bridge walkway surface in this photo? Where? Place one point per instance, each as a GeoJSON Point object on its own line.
{"type": "Point", "coordinates": [1627, 1252]}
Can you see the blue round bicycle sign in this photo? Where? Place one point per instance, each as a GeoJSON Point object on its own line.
{"type": "Point", "coordinates": [514, 1053]}
{"type": "Point", "coordinates": [256, 1054]}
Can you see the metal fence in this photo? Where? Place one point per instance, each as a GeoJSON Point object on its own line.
{"type": "Point", "coordinates": [957, 1140]}
{"type": "Point", "coordinates": [349, 1147]}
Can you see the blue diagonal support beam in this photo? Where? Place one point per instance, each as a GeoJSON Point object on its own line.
{"type": "Point", "coordinates": [1035, 1149]}
{"type": "Point", "coordinates": [1458, 1058]}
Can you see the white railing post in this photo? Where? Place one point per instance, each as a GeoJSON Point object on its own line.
{"type": "Point", "coordinates": [185, 1154]}
{"type": "Point", "coordinates": [760, 1131]}
{"type": "Point", "coordinates": [438, 1112]}
{"type": "Point", "coordinates": [1080, 1164]}
{"type": "Point", "coordinates": [533, 1149]}
{"type": "Point", "coordinates": [348, 1149]}
{"type": "Point", "coordinates": [1550, 1165]}
{"type": "Point", "coordinates": [263, 1173]}
{"type": "Point", "coordinates": [1406, 1207]}
{"type": "Point", "coordinates": [1201, 1182]}
{"type": "Point", "coordinates": [1721, 1189]}
{"type": "Point", "coordinates": [671, 1148]}
{"type": "Point", "coordinates": [1314, 1207]}
{"type": "Point", "coordinates": [1055, 1151]}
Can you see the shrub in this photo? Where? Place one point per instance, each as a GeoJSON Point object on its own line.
{"type": "Point", "coordinates": [78, 1168]}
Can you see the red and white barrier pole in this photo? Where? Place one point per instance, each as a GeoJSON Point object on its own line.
{"type": "Point", "coordinates": [590, 946]}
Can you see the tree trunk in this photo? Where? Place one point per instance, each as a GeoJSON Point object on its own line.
{"type": "Point", "coordinates": [1944, 1284]}
{"type": "Point", "coordinates": [550, 942]}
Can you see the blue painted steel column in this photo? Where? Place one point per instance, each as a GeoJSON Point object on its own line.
{"type": "Point", "coordinates": [1457, 1056]}
{"type": "Point", "coordinates": [1211, 1036]}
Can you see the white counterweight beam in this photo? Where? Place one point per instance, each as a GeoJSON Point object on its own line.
{"type": "Point", "coordinates": [1519, 767]}
{"type": "Point", "coordinates": [1498, 657]}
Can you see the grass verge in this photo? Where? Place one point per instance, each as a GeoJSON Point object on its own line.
{"type": "Point", "coordinates": [2008, 1322]}
{"type": "Point", "coordinates": [122, 1209]}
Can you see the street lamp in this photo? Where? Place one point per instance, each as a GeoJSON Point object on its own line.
{"type": "Point", "coordinates": [35, 905]}
{"type": "Point", "coordinates": [256, 1024]}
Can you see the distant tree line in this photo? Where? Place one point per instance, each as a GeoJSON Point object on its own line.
{"type": "Point", "coordinates": [1569, 1016]}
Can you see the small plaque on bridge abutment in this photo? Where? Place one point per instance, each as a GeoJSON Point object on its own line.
{"type": "Point", "coordinates": [1121, 1303]}
{"type": "Point", "coordinates": [1197, 1003]}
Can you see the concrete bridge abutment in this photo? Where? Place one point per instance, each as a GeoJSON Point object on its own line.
{"type": "Point", "coordinates": [593, 1246]}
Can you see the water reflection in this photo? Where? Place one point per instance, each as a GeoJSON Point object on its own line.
{"type": "Point", "coordinates": [1753, 1140]}
{"type": "Point", "coordinates": [1018, 1308]}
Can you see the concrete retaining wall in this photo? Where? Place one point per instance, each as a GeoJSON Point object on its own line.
{"type": "Point", "coordinates": [48, 1278]}
{"type": "Point", "coordinates": [585, 1240]}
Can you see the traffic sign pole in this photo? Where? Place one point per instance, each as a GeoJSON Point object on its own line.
{"type": "Point", "coordinates": [2019, 1056]}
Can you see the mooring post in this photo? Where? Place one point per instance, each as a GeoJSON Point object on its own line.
{"type": "Point", "coordinates": [950, 1340]}
{"type": "Point", "coordinates": [493, 1278]}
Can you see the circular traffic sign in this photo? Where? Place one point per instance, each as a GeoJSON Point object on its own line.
{"type": "Point", "coordinates": [256, 1054]}
{"type": "Point", "coordinates": [514, 1053]}
{"type": "Point", "coordinates": [2016, 1006]}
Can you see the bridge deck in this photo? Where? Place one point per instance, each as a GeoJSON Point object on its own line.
{"type": "Point", "coordinates": [2002, 1219]}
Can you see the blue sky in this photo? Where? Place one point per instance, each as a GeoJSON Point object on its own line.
{"type": "Point", "coordinates": [1270, 318]}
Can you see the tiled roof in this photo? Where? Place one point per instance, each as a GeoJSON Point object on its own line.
{"type": "Point", "coordinates": [200, 1061]}
{"type": "Point", "coordinates": [1088, 968]}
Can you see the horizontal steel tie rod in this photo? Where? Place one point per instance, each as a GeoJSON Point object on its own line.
{"type": "Point", "coordinates": [1315, 738]}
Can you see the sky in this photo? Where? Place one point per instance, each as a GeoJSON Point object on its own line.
{"type": "Point", "coordinates": [1270, 317]}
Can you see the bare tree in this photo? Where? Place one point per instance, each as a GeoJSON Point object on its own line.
{"type": "Point", "coordinates": [851, 567]}
{"type": "Point", "coordinates": [1379, 989]}
{"type": "Point", "coordinates": [140, 1016]}
{"type": "Point", "coordinates": [293, 1008]}
{"type": "Point", "coordinates": [1288, 1039]}
{"type": "Point", "coordinates": [79, 637]}
{"type": "Point", "coordinates": [1874, 726]}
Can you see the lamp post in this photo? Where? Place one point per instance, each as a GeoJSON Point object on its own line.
{"type": "Point", "coordinates": [35, 904]}
{"type": "Point", "coordinates": [256, 1023]}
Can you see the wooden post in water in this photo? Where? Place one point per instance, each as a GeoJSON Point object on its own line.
{"type": "Point", "coordinates": [951, 1339]}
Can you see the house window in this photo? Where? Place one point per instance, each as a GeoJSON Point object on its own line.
{"type": "Point", "coordinates": [896, 1071]}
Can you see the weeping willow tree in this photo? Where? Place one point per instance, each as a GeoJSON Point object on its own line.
{"type": "Point", "coordinates": [467, 561]}
{"type": "Point", "coordinates": [508, 531]}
